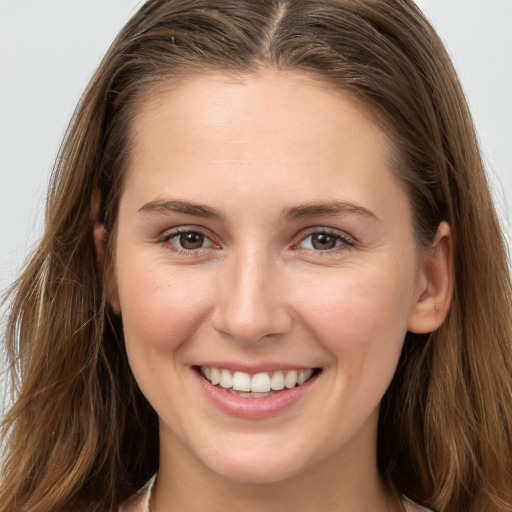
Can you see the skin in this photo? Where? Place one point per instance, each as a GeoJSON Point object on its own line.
{"type": "Point", "coordinates": [254, 149]}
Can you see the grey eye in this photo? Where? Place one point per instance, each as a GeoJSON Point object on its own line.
{"type": "Point", "coordinates": [324, 241]}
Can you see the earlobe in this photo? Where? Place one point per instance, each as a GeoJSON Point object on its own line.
{"type": "Point", "coordinates": [435, 284]}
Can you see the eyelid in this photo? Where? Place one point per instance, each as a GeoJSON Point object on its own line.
{"type": "Point", "coordinates": [348, 241]}
{"type": "Point", "coordinates": [168, 234]}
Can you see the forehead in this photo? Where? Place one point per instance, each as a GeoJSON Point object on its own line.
{"type": "Point", "coordinates": [232, 115]}
{"type": "Point", "coordinates": [258, 134]}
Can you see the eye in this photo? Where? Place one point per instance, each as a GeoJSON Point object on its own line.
{"type": "Point", "coordinates": [324, 241]}
{"type": "Point", "coordinates": [187, 240]}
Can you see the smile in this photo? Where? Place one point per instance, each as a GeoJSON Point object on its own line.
{"type": "Point", "coordinates": [259, 385]}
{"type": "Point", "coordinates": [255, 395]}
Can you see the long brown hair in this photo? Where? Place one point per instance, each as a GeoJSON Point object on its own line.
{"type": "Point", "coordinates": [81, 436]}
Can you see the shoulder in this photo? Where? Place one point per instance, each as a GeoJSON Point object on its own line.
{"type": "Point", "coordinates": [138, 502]}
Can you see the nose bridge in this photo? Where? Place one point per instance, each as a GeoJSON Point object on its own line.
{"type": "Point", "coordinates": [250, 305]}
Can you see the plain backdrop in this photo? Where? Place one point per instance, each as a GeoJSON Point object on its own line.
{"type": "Point", "coordinates": [49, 50]}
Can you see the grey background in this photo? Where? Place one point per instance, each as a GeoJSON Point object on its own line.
{"type": "Point", "coordinates": [49, 49]}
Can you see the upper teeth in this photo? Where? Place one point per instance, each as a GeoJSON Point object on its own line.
{"type": "Point", "coordinates": [257, 383]}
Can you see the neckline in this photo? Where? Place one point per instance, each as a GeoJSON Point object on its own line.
{"type": "Point", "coordinates": [148, 490]}
{"type": "Point", "coordinates": [407, 504]}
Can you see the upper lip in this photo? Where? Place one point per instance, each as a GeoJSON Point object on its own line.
{"type": "Point", "coordinates": [253, 368]}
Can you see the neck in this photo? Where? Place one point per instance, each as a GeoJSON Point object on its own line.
{"type": "Point", "coordinates": [337, 484]}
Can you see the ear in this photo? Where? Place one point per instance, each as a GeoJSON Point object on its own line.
{"type": "Point", "coordinates": [104, 267]}
{"type": "Point", "coordinates": [435, 284]}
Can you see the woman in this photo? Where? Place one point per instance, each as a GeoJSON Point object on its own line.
{"type": "Point", "coordinates": [272, 275]}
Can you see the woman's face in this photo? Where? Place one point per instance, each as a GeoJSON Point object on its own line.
{"type": "Point", "coordinates": [263, 240]}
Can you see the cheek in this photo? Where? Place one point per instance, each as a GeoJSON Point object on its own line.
{"type": "Point", "coordinates": [161, 309]}
{"type": "Point", "coordinates": [361, 316]}
{"type": "Point", "coordinates": [161, 312]}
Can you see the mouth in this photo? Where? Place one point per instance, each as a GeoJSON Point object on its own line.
{"type": "Point", "coordinates": [258, 385]}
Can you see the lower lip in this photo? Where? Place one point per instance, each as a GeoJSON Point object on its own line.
{"type": "Point", "coordinates": [253, 408]}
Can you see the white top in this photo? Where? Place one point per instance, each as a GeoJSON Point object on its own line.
{"type": "Point", "coordinates": [139, 502]}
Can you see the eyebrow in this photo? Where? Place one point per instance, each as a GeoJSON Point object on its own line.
{"type": "Point", "coordinates": [300, 212]}
{"type": "Point", "coordinates": [183, 207]}
{"type": "Point", "coordinates": [339, 208]}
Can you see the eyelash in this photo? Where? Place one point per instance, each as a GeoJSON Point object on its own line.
{"type": "Point", "coordinates": [343, 242]}
{"type": "Point", "coordinates": [165, 240]}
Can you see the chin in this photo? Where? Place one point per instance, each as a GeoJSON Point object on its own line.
{"type": "Point", "coordinates": [257, 466]}
{"type": "Point", "coordinates": [255, 474]}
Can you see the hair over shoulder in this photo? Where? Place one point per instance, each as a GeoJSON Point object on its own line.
{"type": "Point", "coordinates": [80, 435]}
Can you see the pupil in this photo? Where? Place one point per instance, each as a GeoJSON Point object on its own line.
{"type": "Point", "coordinates": [191, 240]}
{"type": "Point", "coordinates": [323, 241]}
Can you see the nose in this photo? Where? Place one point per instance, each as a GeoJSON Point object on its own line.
{"type": "Point", "coordinates": [251, 303]}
